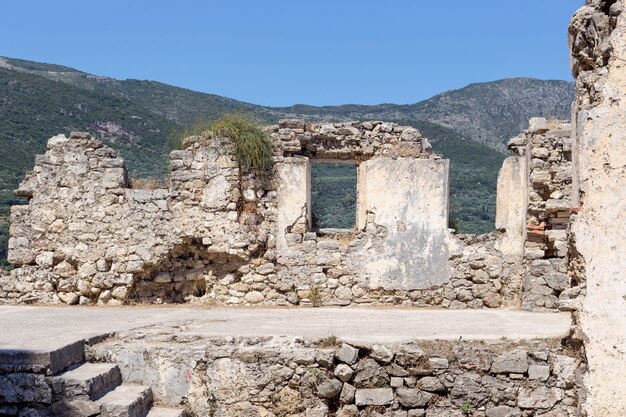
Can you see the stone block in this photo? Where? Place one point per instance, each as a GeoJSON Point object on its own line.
{"type": "Point", "coordinates": [347, 394]}
{"type": "Point", "coordinates": [511, 362]}
{"type": "Point", "coordinates": [329, 388]}
{"type": "Point", "coordinates": [381, 353]}
{"type": "Point", "coordinates": [539, 398]}
{"type": "Point", "coordinates": [438, 363]}
{"type": "Point", "coordinates": [413, 397]}
{"type": "Point", "coordinates": [503, 411]}
{"type": "Point", "coordinates": [373, 396]}
{"type": "Point", "coordinates": [539, 372]}
{"type": "Point", "coordinates": [343, 372]}
{"type": "Point", "coordinates": [347, 354]}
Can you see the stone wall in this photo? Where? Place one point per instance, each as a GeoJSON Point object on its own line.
{"type": "Point", "coordinates": [598, 48]}
{"type": "Point", "coordinates": [534, 208]}
{"type": "Point", "coordinates": [223, 234]}
{"type": "Point", "coordinates": [299, 377]}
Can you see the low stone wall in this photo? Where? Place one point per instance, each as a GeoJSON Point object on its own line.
{"type": "Point", "coordinates": [298, 377]}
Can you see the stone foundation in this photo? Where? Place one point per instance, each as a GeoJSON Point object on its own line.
{"type": "Point", "coordinates": [299, 377]}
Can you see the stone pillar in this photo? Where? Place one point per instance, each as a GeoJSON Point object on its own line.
{"type": "Point", "coordinates": [598, 44]}
{"type": "Point", "coordinates": [511, 203]}
{"type": "Point", "coordinates": [293, 199]}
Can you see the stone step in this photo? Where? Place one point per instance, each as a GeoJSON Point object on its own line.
{"type": "Point", "coordinates": [72, 407]}
{"type": "Point", "coordinates": [166, 412]}
{"type": "Point", "coordinates": [92, 380]}
{"type": "Point", "coordinates": [34, 360]}
{"type": "Point", "coordinates": [127, 400]}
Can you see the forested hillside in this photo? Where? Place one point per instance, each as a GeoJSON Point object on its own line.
{"type": "Point", "coordinates": [468, 126]}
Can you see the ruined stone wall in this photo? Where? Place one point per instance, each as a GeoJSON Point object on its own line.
{"type": "Point", "coordinates": [222, 234]}
{"type": "Point", "coordinates": [299, 377]}
{"type": "Point", "coordinates": [598, 51]}
{"type": "Point", "coordinates": [85, 236]}
{"type": "Point", "coordinates": [534, 208]}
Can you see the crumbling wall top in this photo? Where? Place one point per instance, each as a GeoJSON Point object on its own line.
{"type": "Point", "coordinates": [351, 140]}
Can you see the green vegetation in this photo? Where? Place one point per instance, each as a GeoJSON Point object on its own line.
{"type": "Point", "coordinates": [34, 108]}
{"type": "Point", "coordinates": [315, 295]}
{"type": "Point", "coordinates": [466, 408]}
{"type": "Point", "coordinates": [333, 195]}
{"type": "Point", "coordinates": [252, 146]}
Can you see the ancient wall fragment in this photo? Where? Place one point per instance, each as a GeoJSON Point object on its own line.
{"type": "Point", "coordinates": [220, 233]}
{"type": "Point", "coordinates": [511, 205]}
{"type": "Point", "coordinates": [598, 51]}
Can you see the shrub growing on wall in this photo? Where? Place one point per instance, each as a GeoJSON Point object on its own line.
{"type": "Point", "coordinates": [252, 145]}
{"type": "Point", "coordinates": [253, 148]}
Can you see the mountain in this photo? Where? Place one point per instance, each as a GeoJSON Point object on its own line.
{"type": "Point", "coordinates": [469, 126]}
{"type": "Point", "coordinates": [489, 113]}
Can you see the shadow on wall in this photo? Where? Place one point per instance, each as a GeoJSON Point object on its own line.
{"type": "Point", "coordinates": [188, 272]}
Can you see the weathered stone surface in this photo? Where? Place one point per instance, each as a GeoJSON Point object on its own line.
{"type": "Point", "coordinates": [347, 394]}
{"type": "Point", "coordinates": [24, 388]}
{"type": "Point", "coordinates": [438, 363]}
{"type": "Point", "coordinates": [469, 388]}
{"type": "Point", "coordinates": [373, 396]}
{"type": "Point", "coordinates": [198, 240]}
{"type": "Point", "coordinates": [368, 374]}
{"type": "Point", "coordinates": [412, 398]}
{"type": "Point", "coordinates": [515, 362]}
{"type": "Point", "coordinates": [259, 371]}
{"type": "Point", "coordinates": [343, 372]}
{"type": "Point", "coordinates": [503, 411]}
{"type": "Point", "coordinates": [381, 353]}
{"type": "Point", "coordinates": [431, 384]}
{"type": "Point", "coordinates": [329, 388]}
{"type": "Point", "coordinates": [539, 372]}
{"type": "Point", "coordinates": [348, 411]}
{"type": "Point", "coordinates": [542, 397]}
{"type": "Point", "coordinates": [597, 42]}
{"type": "Point", "coordinates": [347, 354]}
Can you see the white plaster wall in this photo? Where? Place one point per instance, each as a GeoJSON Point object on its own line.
{"type": "Point", "coordinates": [600, 231]}
{"type": "Point", "coordinates": [409, 197]}
{"type": "Point", "coordinates": [511, 203]}
{"type": "Point", "coordinates": [293, 196]}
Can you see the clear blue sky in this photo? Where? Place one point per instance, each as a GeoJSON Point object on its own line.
{"type": "Point", "coordinates": [286, 52]}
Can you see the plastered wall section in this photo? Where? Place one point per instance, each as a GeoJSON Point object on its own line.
{"type": "Point", "coordinates": [293, 198]}
{"type": "Point", "coordinates": [511, 203]}
{"type": "Point", "coordinates": [409, 198]}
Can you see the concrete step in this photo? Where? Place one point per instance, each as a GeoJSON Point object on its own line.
{"type": "Point", "coordinates": [166, 412]}
{"type": "Point", "coordinates": [127, 400]}
{"type": "Point", "coordinates": [92, 380]}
